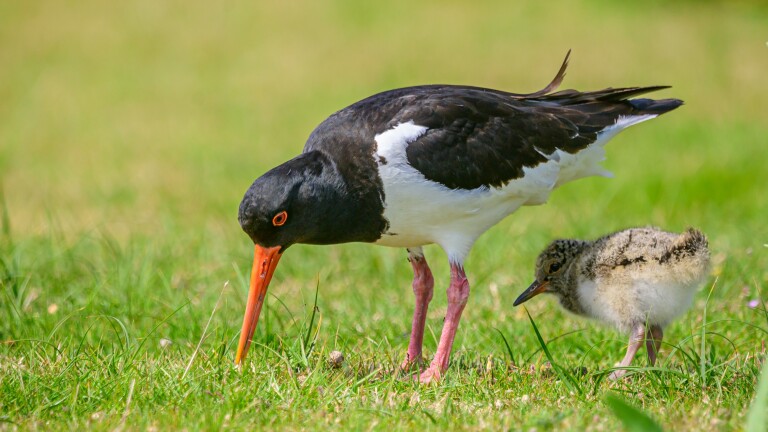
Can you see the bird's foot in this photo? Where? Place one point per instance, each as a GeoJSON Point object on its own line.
{"type": "Point", "coordinates": [617, 374]}
{"type": "Point", "coordinates": [411, 361]}
{"type": "Point", "coordinates": [431, 375]}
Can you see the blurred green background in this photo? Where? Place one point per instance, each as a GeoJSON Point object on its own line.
{"type": "Point", "coordinates": [121, 114]}
{"type": "Point", "coordinates": [129, 132]}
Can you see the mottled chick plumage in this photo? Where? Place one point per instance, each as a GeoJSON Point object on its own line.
{"type": "Point", "coordinates": [637, 280]}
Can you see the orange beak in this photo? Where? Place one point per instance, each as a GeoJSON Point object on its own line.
{"type": "Point", "coordinates": [264, 264]}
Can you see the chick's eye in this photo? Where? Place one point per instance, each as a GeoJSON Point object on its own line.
{"type": "Point", "coordinates": [280, 219]}
{"type": "Point", "coordinates": [555, 266]}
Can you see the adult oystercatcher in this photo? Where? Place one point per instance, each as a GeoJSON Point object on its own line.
{"type": "Point", "coordinates": [430, 164]}
{"type": "Point", "coordinates": [637, 280]}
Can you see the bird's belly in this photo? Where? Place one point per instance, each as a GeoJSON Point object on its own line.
{"type": "Point", "coordinates": [664, 302]}
{"type": "Point", "coordinates": [420, 211]}
{"type": "Point", "coordinates": [637, 301]}
{"type": "Point", "coordinates": [453, 219]}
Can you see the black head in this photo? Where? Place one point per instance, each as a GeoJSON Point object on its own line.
{"type": "Point", "coordinates": [292, 203]}
{"type": "Point", "coordinates": [305, 200]}
{"type": "Point", "coordinates": [296, 202]}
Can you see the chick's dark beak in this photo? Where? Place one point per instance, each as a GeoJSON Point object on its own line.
{"type": "Point", "coordinates": [264, 263]}
{"type": "Point", "coordinates": [535, 289]}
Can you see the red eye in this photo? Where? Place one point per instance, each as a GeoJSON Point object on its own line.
{"type": "Point", "coordinates": [280, 219]}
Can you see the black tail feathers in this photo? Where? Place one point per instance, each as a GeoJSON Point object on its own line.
{"type": "Point", "coordinates": [650, 106]}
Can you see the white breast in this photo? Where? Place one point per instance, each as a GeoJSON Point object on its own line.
{"type": "Point", "coordinates": [639, 298]}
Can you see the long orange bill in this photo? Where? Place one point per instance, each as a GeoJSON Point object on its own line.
{"type": "Point", "coordinates": [264, 264]}
{"type": "Point", "coordinates": [535, 289]}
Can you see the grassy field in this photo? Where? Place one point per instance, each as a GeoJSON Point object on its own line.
{"type": "Point", "coordinates": [130, 130]}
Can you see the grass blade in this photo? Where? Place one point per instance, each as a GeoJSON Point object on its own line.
{"type": "Point", "coordinates": [5, 218]}
{"type": "Point", "coordinates": [312, 318]}
{"type": "Point", "coordinates": [509, 350]}
{"type": "Point", "coordinates": [634, 419]}
{"type": "Point", "coordinates": [757, 418]}
{"type": "Point", "coordinates": [702, 356]}
{"type": "Point", "coordinates": [762, 299]}
{"type": "Point", "coordinates": [128, 400]}
{"type": "Point", "coordinates": [205, 330]}
{"type": "Point", "coordinates": [566, 378]}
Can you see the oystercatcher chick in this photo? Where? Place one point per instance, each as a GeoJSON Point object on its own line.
{"type": "Point", "coordinates": [637, 280]}
{"type": "Point", "coordinates": [430, 164]}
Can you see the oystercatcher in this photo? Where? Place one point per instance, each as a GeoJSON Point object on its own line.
{"type": "Point", "coordinates": [637, 280]}
{"type": "Point", "coordinates": [430, 164]}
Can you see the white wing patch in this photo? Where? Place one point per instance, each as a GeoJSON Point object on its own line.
{"type": "Point", "coordinates": [421, 211]}
{"type": "Point", "coordinates": [392, 143]}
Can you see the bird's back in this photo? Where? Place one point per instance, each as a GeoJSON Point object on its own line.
{"type": "Point", "coordinates": [479, 137]}
{"type": "Point", "coordinates": [448, 162]}
{"type": "Point", "coordinates": [653, 253]}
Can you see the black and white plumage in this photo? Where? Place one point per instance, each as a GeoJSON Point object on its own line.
{"type": "Point", "coordinates": [432, 164]}
{"type": "Point", "coordinates": [637, 280]}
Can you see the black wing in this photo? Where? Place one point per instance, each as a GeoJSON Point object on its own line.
{"type": "Point", "coordinates": [481, 137]}
{"type": "Point", "coordinates": [478, 138]}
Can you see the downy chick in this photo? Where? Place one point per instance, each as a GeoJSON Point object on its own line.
{"type": "Point", "coordinates": [637, 280]}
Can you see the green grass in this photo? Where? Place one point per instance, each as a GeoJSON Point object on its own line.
{"type": "Point", "coordinates": [129, 132]}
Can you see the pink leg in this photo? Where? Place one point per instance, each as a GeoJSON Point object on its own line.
{"type": "Point", "coordinates": [423, 284]}
{"type": "Point", "coordinates": [458, 293]}
{"type": "Point", "coordinates": [653, 342]}
{"type": "Point", "coordinates": [635, 341]}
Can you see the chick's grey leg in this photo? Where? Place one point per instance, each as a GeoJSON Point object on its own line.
{"type": "Point", "coordinates": [635, 342]}
{"type": "Point", "coordinates": [653, 342]}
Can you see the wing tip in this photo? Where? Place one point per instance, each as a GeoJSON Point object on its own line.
{"type": "Point", "coordinates": [658, 106]}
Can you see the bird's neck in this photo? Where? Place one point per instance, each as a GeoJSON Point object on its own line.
{"type": "Point", "coordinates": [567, 291]}
{"type": "Point", "coordinates": [348, 206]}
